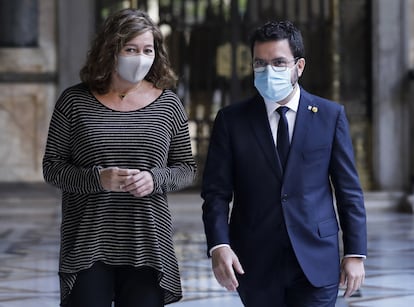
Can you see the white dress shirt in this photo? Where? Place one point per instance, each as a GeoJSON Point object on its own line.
{"type": "Point", "coordinates": [274, 117]}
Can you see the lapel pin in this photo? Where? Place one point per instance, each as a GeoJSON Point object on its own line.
{"type": "Point", "coordinates": [313, 109]}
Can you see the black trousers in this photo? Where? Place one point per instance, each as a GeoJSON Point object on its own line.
{"type": "Point", "coordinates": [126, 286]}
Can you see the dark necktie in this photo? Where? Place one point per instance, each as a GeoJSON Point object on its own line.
{"type": "Point", "coordinates": [283, 143]}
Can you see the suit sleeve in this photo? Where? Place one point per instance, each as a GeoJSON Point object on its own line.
{"type": "Point", "coordinates": [217, 186]}
{"type": "Point", "coordinates": [348, 191]}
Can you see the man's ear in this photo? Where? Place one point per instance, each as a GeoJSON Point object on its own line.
{"type": "Point", "coordinates": [301, 66]}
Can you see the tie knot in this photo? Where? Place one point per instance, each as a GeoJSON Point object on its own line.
{"type": "Point", "coordinates": [282, 110]}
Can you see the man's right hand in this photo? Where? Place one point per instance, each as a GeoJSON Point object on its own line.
{"type": "Point", "coordinates": [224, 263]}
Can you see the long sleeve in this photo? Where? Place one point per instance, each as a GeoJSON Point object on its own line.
{"type": "Point", "coordinates": [217, 190]}
{"type": "Point", "coordinates": [180, 169]}
{"type": "Point", "coordinates": [58, 169]}
{"type": "Point", "coordinates": [349, 195]}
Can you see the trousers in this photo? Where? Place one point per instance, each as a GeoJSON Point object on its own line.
{"type": "Point", "coordinates": [282, 283]}
{"type": "Point", "coordinates": [126, 286]}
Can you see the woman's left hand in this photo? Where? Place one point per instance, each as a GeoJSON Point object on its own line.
{"type": "Point", "coordinates": [140, 184]}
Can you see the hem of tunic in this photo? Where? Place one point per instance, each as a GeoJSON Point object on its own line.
{"type": "Point", "coordinates": [66, 288]}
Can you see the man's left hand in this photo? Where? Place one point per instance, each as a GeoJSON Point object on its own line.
{"type": "Point", "coordinates": [352, 274]}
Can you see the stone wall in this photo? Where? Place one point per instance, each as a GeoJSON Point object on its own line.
{"type": "Point", "coordinates": [410, 93]}
{"type": "Point", "coordinates": [28, 92]}
{"type": "Point", "coordinates": [411, 32]}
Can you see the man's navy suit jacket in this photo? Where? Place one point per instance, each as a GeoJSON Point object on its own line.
{"type": "Point", "coordinates": [243, 180]}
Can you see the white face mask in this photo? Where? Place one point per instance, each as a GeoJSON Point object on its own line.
{"type": "Point", "coordinates": [134, 68]}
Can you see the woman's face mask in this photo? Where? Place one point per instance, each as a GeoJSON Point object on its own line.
{"type": "Point", "coordinates": [134, 68]}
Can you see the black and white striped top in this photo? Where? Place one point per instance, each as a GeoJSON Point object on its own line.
{"type": "Point", "coordinates": [116, 227]}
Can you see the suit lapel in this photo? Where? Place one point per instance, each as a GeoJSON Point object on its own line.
{"type": "Point", "coordinates": [304, 117]}
{"type": "Point", "coordinates": [260, 125]}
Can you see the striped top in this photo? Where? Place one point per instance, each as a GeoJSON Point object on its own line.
{"type": "Point", "coordinates": [116, 227]}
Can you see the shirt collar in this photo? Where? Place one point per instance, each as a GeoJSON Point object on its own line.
{"type": "Point", "coordinates": [293, 103]}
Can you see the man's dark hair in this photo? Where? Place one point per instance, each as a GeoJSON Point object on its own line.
{"type": "Point", "coordinates": [274, 31]}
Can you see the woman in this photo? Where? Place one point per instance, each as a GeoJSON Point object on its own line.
{"type": "Point", "coordinates": [117, 143]}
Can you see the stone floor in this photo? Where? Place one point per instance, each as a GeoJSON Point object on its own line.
{"type": "Point", "coordinates": [29, 240]}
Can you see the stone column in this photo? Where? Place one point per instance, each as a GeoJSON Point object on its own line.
{"type": "Point", "coordinates": [391, 169]}
{"type": "Point", "coordinates": [76, 30]}
{"type": "Point", "coordinates": [19, 23]}
{"type": "Point", "coordinates": [27, 87]}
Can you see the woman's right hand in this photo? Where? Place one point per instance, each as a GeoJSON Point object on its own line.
{"type": "Point", "coordinates": [112, 178]}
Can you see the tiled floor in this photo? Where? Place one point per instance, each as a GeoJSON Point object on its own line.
{"type": "Point", "coordinates": [29, 239]}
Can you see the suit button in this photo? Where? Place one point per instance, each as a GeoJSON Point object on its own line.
{"type": "Point", "coordinates": [284, 197]}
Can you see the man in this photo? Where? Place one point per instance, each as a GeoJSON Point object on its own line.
{"type": "Point", "coordinates": [280, 246]}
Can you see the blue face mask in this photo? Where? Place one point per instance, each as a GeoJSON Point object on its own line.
{"type": "Point", "coordinates": [273, 85]}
